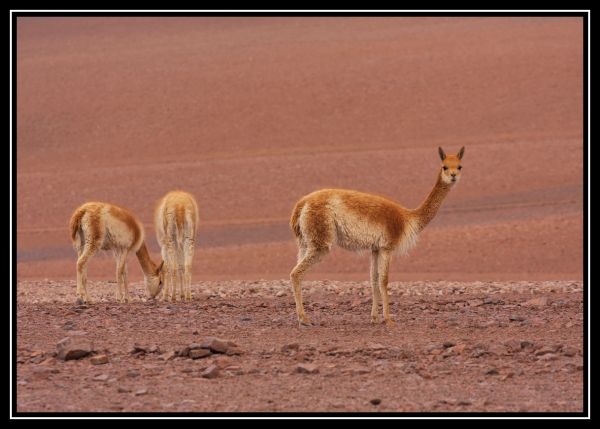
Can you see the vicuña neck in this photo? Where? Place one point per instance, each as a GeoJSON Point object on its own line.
{"type": "Point", "coordinates": [148, 267]}
{"type": "Point", "coordinates": [429, 208]}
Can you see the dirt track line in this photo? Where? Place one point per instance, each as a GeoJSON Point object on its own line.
{"type": "Point", "coordinates": [285, 220]}
{"type": "Point", "coordinates": [323, 150]}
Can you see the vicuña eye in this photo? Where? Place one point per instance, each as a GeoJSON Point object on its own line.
{"type": "Point", "coordinates": [445, 167]}
{"type": "Point", "coordinates": [460, 167]}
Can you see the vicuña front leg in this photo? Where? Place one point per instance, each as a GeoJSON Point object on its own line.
{"type": "Point", "coordinates": [383, 266]}
{"type": "Point", "coordinates": [375, 287]}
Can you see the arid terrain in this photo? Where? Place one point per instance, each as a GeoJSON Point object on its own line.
{"type": "Point", "coordinates": [481, 346]}
{"type": "Point", "coordinates": [250, 114]}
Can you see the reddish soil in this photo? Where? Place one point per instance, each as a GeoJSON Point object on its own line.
{"type": "Point", "coordinates": [250, 114]}
{"type": "Point", "coordinates": [481, 346]}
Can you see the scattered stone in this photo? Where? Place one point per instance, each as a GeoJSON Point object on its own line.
{"type": "Point", "coordinates": [458, 349]}
{"type": "Point", "coordinates": [141, 392]}
{"type": "Point", "coordinates": [527, 345]}
{"type": "Point", "coordinates": [154, 349]}
{"type": "Point", "coordinates": [216, 345]}
{"type": "Point", "coordinates": [491, 371]}
{"type": "Point", "coordinates": [121, 389]}
{"type": "Point", "coordinates": [169, 355]}
{"type": "Point", "coordinates": [375, 401]}
{"type": "Point", "coordinates": [361, 370]}
{"type": "Point", "coordinates": [513, 345]}
{"type": "Point", "coordinates": [233, 351]}
{"type": "Point", "coordinates": [306, 368]}
{"type": "Point", "coordinates": [538, 302]}
{"type": "Point", "coordinates": [42, 372]}
{"type": "Point", "coordinates": [289, 347]}
{"type": "Point", "coordinates": [448, 344]}
{"type": "Point", "coordinates": [101, 377]}
{"type": "Point", "coordinates": [548, 357]}
{"type": "Point", "coordinates": [545, 350]}
{"type": "Point", "coordinates": [431, 348]}
{"type": "Point", "coordinates": [69, 348]}
{"type": "Point", "coordinates": [138, 349]}
{"type": "Point", "coordinates": [516, 318]}
{"type": "Point", "coordinates": [464, 402]}
{"type": "Point", "coordinates": [210, 372]}
{"type": "Point", "coordinates": [133, 373]}
{"type": "Point", "coordinates": [99, 360]}
{"type": "Point", "coordinates": [569, 351]}
{"type": "Point", "coordinates": [475, 302]}
{"type": "Point", "coordinates": [280, 294]}
{"type": "Point", "coordinates": [199, 353]}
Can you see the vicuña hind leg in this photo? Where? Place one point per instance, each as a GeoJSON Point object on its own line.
{"type": "Point", "coordinates": [311, 257]}
{"type": "Point", "coordinates": [87, 252]}
{"type": "Point", "coordinates": [383, 264]}
{"type": "Point", "coordinates": [187, 263]}
{"type": "Point", "coordinates": [375, 287]}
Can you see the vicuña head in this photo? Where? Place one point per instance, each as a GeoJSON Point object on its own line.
{"type": "Point", "coordinates": [360, 221]}
{"type": "Point", "coordinates": [451, 165]}
{"type": "Point", "coordinates": [101, 226]}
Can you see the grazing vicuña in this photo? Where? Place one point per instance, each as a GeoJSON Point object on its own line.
{"type": "Point", "coordinates": [101, 226]}
{"type": "Point", "coordinates": [176, 222]}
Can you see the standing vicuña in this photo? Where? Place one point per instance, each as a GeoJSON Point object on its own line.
{"type": "Point", "coordinates": [101, 226]}
{"type": "Point", "coordinates": [360, 221]}
{"type": "Point", "coordinates": [176, 222]}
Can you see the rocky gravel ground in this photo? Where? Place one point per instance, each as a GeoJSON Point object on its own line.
{"type": "Point", "coordinates": [478, 346]}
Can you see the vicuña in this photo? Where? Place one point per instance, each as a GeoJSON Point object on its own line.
{"type": "Point", "coordinates": [360, 221]}
{"type": "Point", "coordinates": [176, 222]}
{"type": "Point", "coordinates": [101, 226]}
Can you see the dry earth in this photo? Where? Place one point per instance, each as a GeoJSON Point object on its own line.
{"type": "Point", "coordinates": [480, 346]}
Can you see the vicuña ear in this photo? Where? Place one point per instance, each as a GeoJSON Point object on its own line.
{"type": "Point", "coordinates": [442, 153]}
{"type": "Point", "coordinates": [461, 152]}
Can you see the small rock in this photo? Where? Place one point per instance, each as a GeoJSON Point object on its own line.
{"type": "Point", "coordinates": [138, 349]}
{"type": "Point", "coordinates": [289, 347]}
{"type": "Point", "coordinates": [233, 351]}
{"type": "Point", "coordinates": [216, 345]}
{"type": "Point", "coordinates": [69, 348]}
{"type": "Point", "coordinates": [99, 360]}
{"type": "Point", "coordinates": [42, 372]}
{"type": "Point", "coordinates": [548, 357]}
{"type": "Point", "coordinates": [464, 402]}
{"type": "Point", "coordinates": [210, 372]}
{"type": "Point", "coordinates": [169, 355]}
{"type": "Point", "coordinates": [361, 370]}
{"type": "Point", "coordinates": [475, 302]}
{"type": "Point", "coordinates": [199, 353]}
{"type": "Point", "coordinates": [491, 371]}
{"type": "Point", "coordinates": [375, 401]}
{"type": "Point", "coordinates": [306, 368]}
{"type": "Point", "coordinates": [123, 390]}
{"type": "Point", "coordinates": [538, 302]}
{"type": "Point", "coordinates": [569, 351]}
{"type": "Point", "coordinates": [133, 373]}
{"type": "Point", "coordinates": [280, 294]}
{"type": "Point", "coordinates": [458, 349]}
{"type": "Point", "coordinates": [448, 344]}
{"type": "Point", "coordinates": [516, 318]}
{"type": "Point", "coordinates": [545, 350]}
{"type": "Point", "coordinates": [431, 347]}
{"type": "Point", "coordinates": [101, 377]}
{"type": "Point", "coordinates": [141, 392]}
{"type": "Point", "coordinates": [526, 345]}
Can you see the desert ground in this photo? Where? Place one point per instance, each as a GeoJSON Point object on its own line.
{"type": "Point", "coordinates": [250, 114]}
